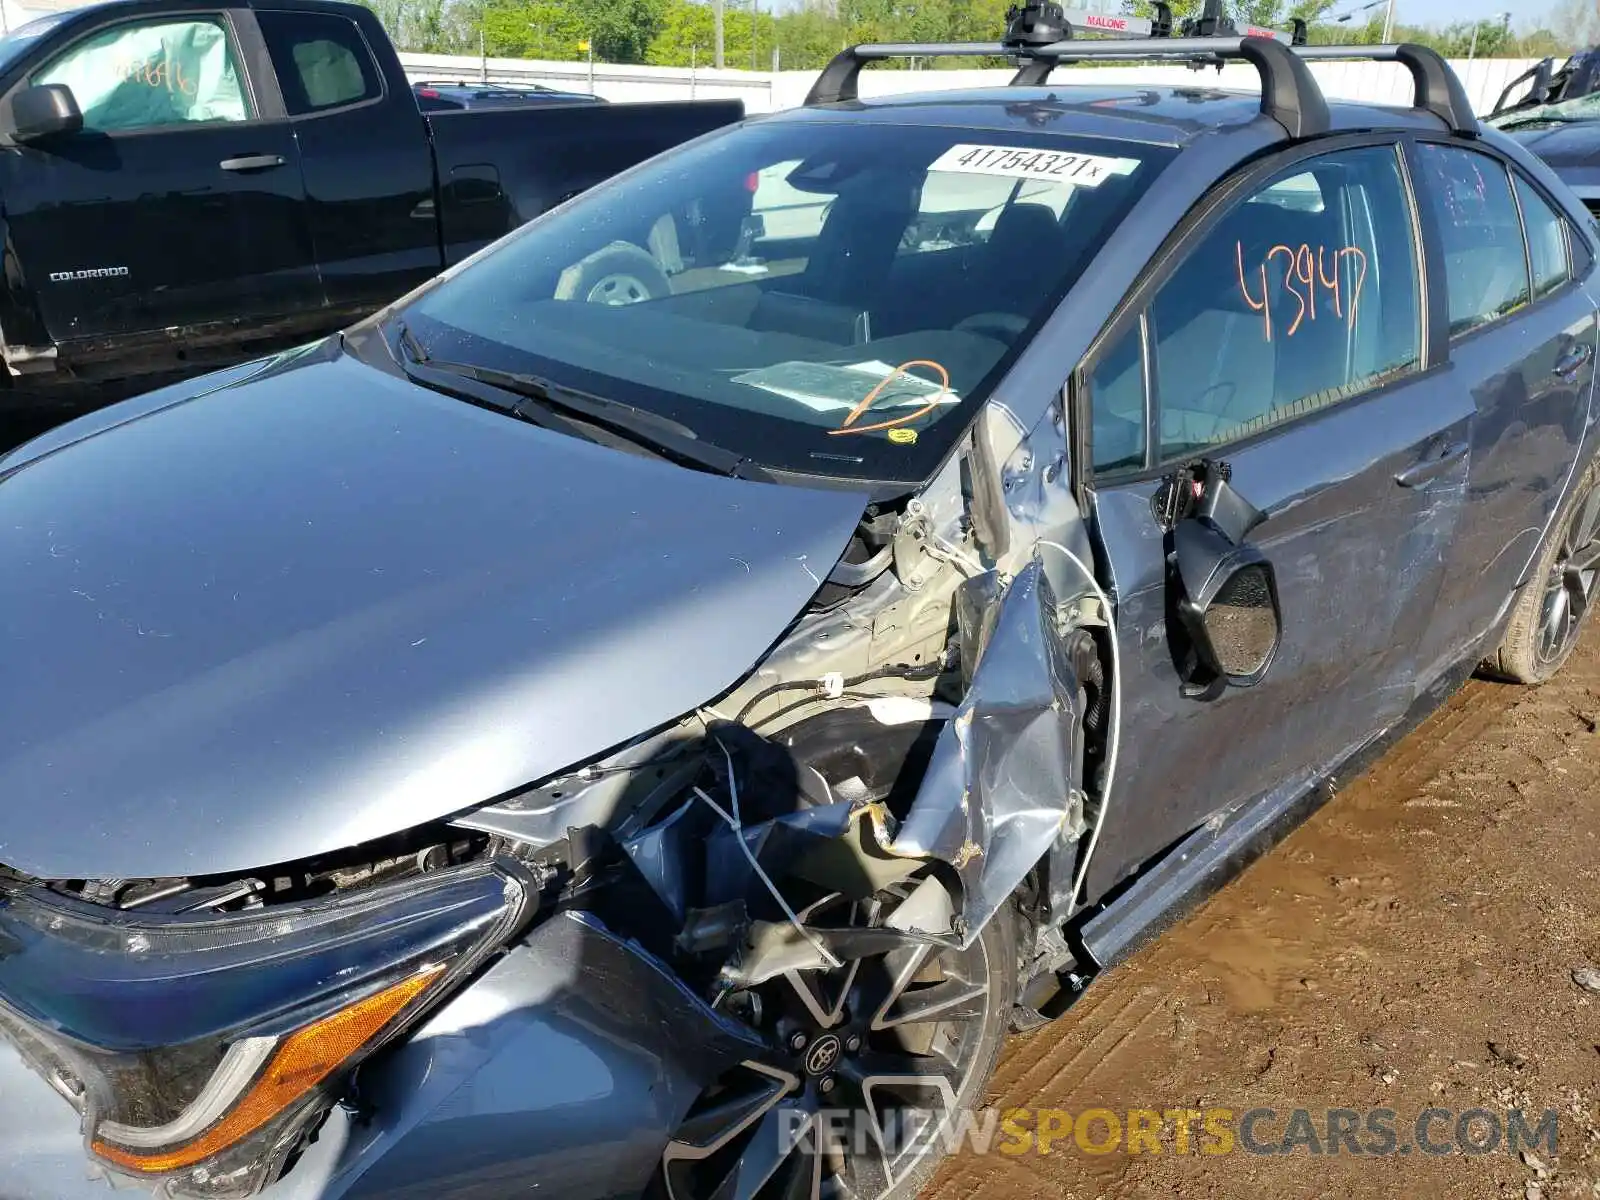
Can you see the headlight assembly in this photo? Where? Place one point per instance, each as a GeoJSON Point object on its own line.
{"type": "Point", "coordinates": [201, 1050]}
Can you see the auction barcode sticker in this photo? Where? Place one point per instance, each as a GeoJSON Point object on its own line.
{"type": "Point", "coordinates": [1084, 170]}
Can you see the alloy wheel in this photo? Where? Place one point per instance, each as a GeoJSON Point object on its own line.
{"type": "Point", "coordinates": [1570, 584]}
{"type": "Point", "coordinates": [866, 1067]}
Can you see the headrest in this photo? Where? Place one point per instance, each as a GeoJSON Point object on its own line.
{"type": "Point", "coordinates": [1024, 230]}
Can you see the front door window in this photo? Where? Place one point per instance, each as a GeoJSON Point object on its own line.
{"type": "Point", "coordinates": [152, 74]}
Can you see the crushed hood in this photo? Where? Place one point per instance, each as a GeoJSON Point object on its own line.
{"type": "Point", "coordinates": [322, 604]}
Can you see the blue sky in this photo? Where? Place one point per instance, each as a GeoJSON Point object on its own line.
{"type": "Point", "coordinates": [1442, 12]}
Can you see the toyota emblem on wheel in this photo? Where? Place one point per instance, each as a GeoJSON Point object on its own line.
{"type": "Point", "coordinates": [823, 1054]}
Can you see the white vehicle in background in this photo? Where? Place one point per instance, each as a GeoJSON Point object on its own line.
{"type": "Point", "coordinates": [945, 214]}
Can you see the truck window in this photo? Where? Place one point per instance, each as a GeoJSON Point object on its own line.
{"type": "Point", "coordinates": [148, 74]}
{"type": "Point", "coordinates": [322, 61]}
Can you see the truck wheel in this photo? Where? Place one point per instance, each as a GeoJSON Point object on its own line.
{"type": "Point", "coordinates": [1555, 602]}
{"type": "Point", "coordinates": [617, 274]}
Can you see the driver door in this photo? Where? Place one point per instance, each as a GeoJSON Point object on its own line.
{"type": "Point", "coordinates": [179, 203]}
{"type": "Point", "coordinates": [1285, 352]}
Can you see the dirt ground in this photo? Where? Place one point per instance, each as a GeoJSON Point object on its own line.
{"type": "Point", "coordinates": [1438, 905]}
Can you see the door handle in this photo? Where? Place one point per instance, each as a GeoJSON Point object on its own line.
{"type": "Point", "coordinates": [1574, 360]}
{"type": "Point", "coordinates": [1436, 463]}
{"type": "Point", "coordinates": [252, 162]}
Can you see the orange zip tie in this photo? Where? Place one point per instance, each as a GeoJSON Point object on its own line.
{"type": "Point", "coordinates": [848, 425]}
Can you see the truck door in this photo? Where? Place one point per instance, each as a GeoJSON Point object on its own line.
{"type": "Point", "coordinates": [365, 154]}
{"type": "Point", "coordinates": [180, 202]}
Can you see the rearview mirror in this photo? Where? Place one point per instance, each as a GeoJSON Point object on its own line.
{"type": "Point", "coordinates": [1228, 606]}
{"type": "Point", "coordinates": [46, 111]}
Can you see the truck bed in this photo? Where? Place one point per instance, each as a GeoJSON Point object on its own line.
{"type": "Point", "coordinates": [500, 167]}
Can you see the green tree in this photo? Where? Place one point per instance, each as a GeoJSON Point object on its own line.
{"type": "Point", "coordinates": [1574, 24]}
{"type": "Point", "coordinates": [621, 30]}
{"type": "Point", "coordinates": [1542, 43]}
{"type": "Point", "coordinates": [537, 30]}
{"type": "Point", "coordinates": [924, 21]}
{"type": "Point", "coordinates": [687, 33]}
{"type": "Point", "coordinates": [810, 35]}
{"type": "Point", "coordinates": [1275, 13]}
{"type": "Point", "coordinates": [417, 25]}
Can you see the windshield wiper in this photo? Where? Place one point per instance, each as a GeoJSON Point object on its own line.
{"type": "Point", "coordinates": [549, 404]}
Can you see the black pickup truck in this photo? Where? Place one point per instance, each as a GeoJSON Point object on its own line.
{"type": "Point", "coordinates": [183, 186]}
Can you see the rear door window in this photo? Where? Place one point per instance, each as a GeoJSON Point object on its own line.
{"type": "Point", "coordinates": [1486, 262]}
{"type": "Point", "coordinates": [1547, 240]}
{"type": "Point", "coordinates": [323, 62]}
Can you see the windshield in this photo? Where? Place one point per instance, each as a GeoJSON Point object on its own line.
{"type": "Point", "coordinates": [1584, 108]}
{"type": "Point", "coordinates": [822, 297]}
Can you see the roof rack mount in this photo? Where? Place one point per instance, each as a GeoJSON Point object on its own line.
{"type": "Point", "coordinates": [1437, 88]}
{"type": "Point", "coordinates": [1289, 92]}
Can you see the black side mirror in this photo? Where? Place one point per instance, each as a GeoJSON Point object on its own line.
{"type": "Point", "coordinates": [46, 111]}
{"type": "Point", "coordinates": [1223, 614]}
{"type": "Point", "coordinates": [1229, 605]}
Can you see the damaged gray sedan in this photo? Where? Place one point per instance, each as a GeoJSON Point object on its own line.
{"type": "Point", "coordinates": [650, 711]}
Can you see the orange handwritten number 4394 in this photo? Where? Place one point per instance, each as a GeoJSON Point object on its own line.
{"type": "Point", "coordinates": [1311, 268]}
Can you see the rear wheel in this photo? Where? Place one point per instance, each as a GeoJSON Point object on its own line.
{"type": "Point", "coordinates": [1554, 604]}
{"type": "Point", "coordinates": [868, 1065]}
{"type": "Point", "coordinates": [615, 275]}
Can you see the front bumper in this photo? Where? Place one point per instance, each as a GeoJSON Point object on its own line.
{"type": "Point", "coordinates": [563, 1067]}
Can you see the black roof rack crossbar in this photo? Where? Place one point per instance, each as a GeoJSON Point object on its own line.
{"type": "Point", "coordinates": [1438, 88]}
{"type": "Point", "coordinates": [837, 83]}
{"type": "Point", "coordinates": [1289, 93]}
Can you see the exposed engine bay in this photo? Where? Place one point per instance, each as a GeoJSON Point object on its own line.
{"type": "Point", "coordinates": [851, 868]}
{"type": "Point", "coordinates": [858, 754]}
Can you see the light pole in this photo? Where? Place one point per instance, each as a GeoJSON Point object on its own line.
{"type": "Point", "coordinates": [1388, 23]}
{"type": "Point", "coordinates": [1345, 18]}
{"type": "Point", "coordinates": [716, 28]}
{"type": "Point", "coordinates": [1505, 29]}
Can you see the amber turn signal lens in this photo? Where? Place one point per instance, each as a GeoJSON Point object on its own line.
{"type": "Point", "coordinates": [305, 1059]}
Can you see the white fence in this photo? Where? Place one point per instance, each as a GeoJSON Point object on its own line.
{"type": "Point", "coordinates": [765, 91]}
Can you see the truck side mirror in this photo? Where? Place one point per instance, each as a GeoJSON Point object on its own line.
{"type": "Point", "coordinates": [43, 112]}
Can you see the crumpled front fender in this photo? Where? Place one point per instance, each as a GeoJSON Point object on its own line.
{"type": "Point", "coordinates": [1001, 789]}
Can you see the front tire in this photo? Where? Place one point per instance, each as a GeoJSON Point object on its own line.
{"type": "Point", "coordinates": [1554, 605]}
{"type": "Point", "coordinates": [911, 1038]}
